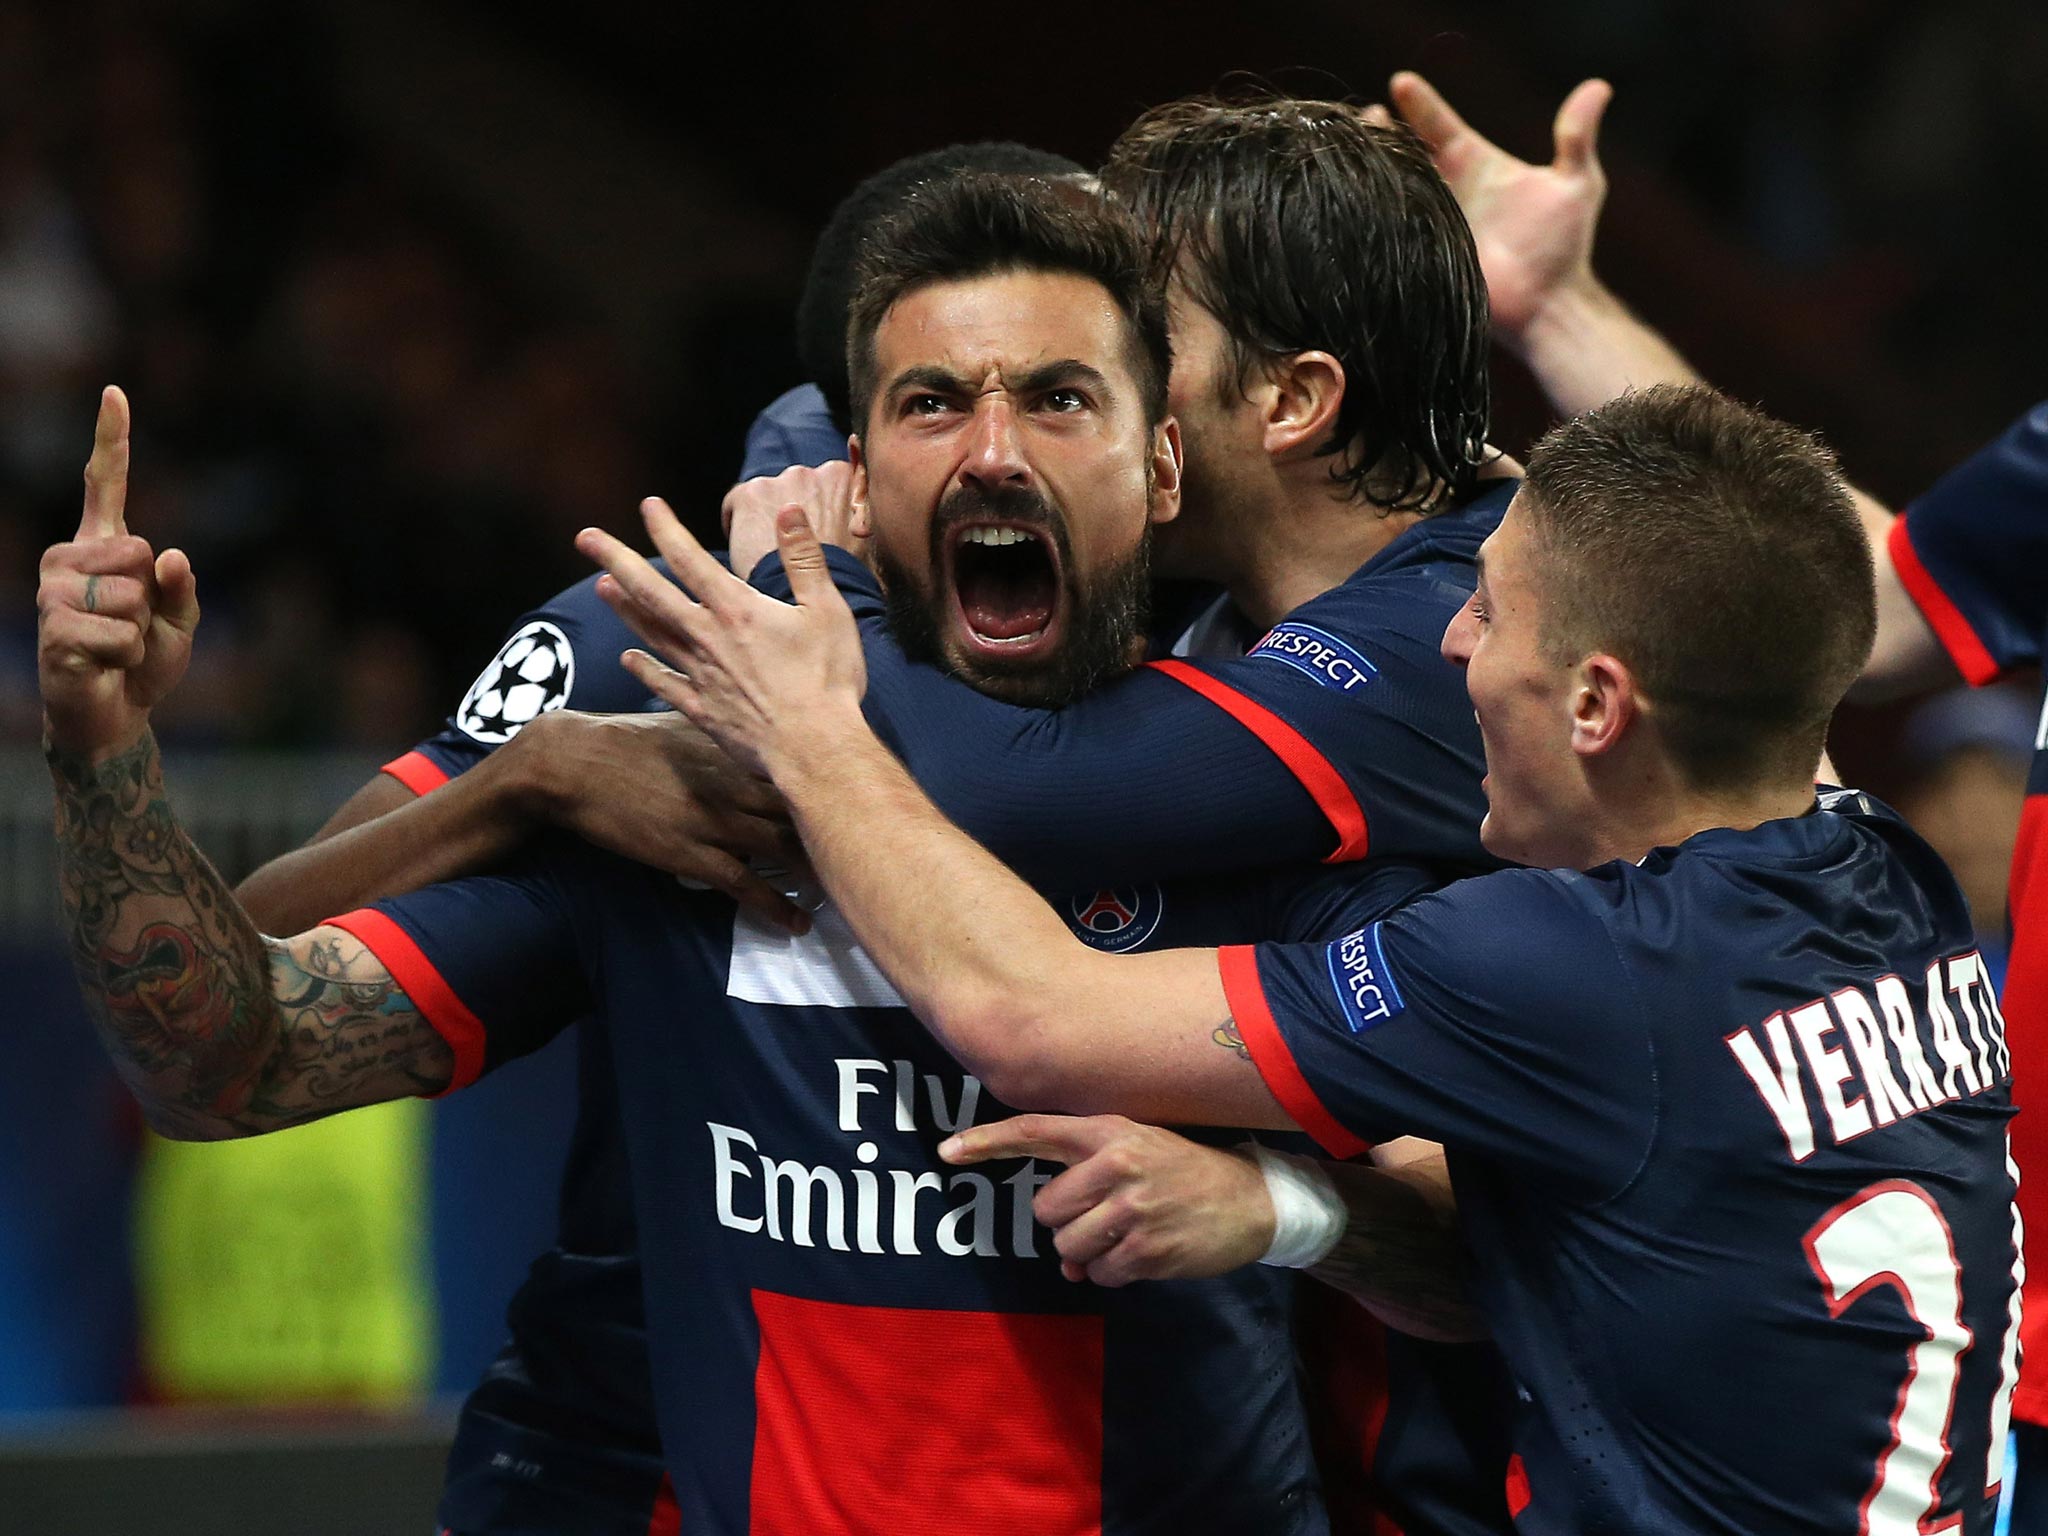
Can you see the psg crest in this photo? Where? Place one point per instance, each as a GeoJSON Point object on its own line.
{"type": "Point", "coordinates": [531, 675]}
{"type": "Point", "coordinates": [1116, 919]}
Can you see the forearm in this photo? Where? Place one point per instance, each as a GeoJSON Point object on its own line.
{"type": "Point", "coordinates": [850, 798]}
{"type": "Point", "coordinates": [1401, 1256]}
{"type": "Point", "coordinates": [1585, 347]}
{"type": "Point", "coordinates": [217, 1031]}
{"type": "Point", "coordinates": [401, 843]}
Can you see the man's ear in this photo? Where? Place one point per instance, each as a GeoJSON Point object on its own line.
{"type": "Point", "coordinates": [1167, 463]}
{"type": "Point", "coordinates": [859, 524]}
{"type": "Point", "coordinates": [1307, 390]}
{"type": "Point", "coordinates": [1605, 704]}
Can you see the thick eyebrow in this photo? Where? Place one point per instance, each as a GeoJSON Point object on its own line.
{"type": "Point", "coordinates": [1054, 375]}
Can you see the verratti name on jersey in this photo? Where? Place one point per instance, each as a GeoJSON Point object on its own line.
{"type": "Point", "coordinates": [1318, 653]}
{"type": "Point", "coordinates": [1871, 1038]}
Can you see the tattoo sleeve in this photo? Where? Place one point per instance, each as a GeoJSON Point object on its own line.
{"type": "Point", "coordinates": [217, 1030]}
{"type": "Point", "coordinates": [1401, 1256]}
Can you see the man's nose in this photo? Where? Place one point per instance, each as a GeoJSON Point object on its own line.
{"type": "Point", "coordinates": [995, 450]}
{"type": "Point", "coordinates": [1459, 634]}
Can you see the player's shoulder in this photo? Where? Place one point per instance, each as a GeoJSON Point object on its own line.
{"type": "Point", "coordinates": [1422, 577]}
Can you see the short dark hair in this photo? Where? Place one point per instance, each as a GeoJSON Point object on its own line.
{"type": "Point", "coordinates": [1717, 553]}
{"type": "Point", "coordinates": [1301, 227]}
{"type": "Point", "coordinates": [979, 225]}
{"type": "Point", "coordinates": [828, 283]}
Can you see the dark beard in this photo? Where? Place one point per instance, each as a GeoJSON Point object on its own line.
{"type": "Point", "coordinates": [1106, 619]}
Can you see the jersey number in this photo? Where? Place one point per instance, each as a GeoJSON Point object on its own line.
{"type": "Point", "coordinates": [1894, 1234]}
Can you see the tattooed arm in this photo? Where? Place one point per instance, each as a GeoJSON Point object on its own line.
{"type": "Point", "coordinates": [1401, 1256]}
{"type": "Point", "coordinates": [217, 1030]}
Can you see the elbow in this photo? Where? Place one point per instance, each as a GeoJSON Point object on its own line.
{"type": "Point", "coordinates": [174, 1122]}
{"type": "Point", "coordinates": [1005, 1040]}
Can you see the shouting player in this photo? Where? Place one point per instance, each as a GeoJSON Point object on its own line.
{"type": "Point", "coordinates": [1738, 1091]}
{"type": "Point", "coordinates": [1075, 798]}
{"type": "Point", "coordinates": [807, 1258]}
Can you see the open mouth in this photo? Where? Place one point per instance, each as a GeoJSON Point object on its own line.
{"type": "Point", "coordinates": [1006, 587]}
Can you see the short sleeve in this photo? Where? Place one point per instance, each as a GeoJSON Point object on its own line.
{"type": "Point", "coordinates": [1970, 553]}
{"type": "Point", "coordinates": [1352, 695]}
{"type": "Point", "coordinates": [1492, 1016]}
{"type": "Point", "coordinates": [562, 655]}
{"type": "Point", "coordinates": [491, 961]}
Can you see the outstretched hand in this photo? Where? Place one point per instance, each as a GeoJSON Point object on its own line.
{"type": "Point", "coordinates": [114, 619]}
{"type": "Point", "coordinates": [758, 675]}
{"type": "Point", "coordinates": [1136, 1202]}
{"type": "Point", "coordinates": [1533, 223]}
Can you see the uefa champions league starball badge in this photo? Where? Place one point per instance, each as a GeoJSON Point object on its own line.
{"type": "Point", "coordinates": [529, 676]}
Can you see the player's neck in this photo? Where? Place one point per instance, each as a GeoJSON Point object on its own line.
{"type": "Point", "coordinates": [1307, 540]}
{"type": "Point", "coordinates": [1665, 815]}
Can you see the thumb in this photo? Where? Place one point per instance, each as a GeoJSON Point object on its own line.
{"type": "Point", "coordinates": [177, 591]}
{"type": "Point", "coordinates": [1577, 129]}
{"type": "Point", "coordinates": [803, 557]}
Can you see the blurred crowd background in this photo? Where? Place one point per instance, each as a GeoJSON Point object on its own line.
{"type": "Point", "coordinates": [406, 293]}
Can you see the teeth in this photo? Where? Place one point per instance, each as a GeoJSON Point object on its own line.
{"type": "Point", "coordinates": [998, 536]}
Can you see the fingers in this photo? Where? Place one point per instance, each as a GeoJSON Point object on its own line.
{"type": "Point", "coordinates": [1577, 129]}
{"type": "Point", "coordinates": [1062, 1138]}
{"type": "Point", "coordinates": [106, 472]}
{"type": "Point", "coordinates": [177, 591]}
{"type": "Point", "coordinates": [723, 873]}
{"type": "Point", "coordinates": [1423, 108]}
{"type": "Point", "coordinates": [114, 596]}
{"type": "Point", "coordinates": [75, 639]}
{"type": "Point", "coordinates": [664, 682]}
{"type": "Point", "coordinates": [121, 554]}
{"type": "Point", "coordinates": [688, 560]}
{"type": "Point", "coordinates": [803, 557]}
{"type": "Point", "coordinates": [1089, 1236]}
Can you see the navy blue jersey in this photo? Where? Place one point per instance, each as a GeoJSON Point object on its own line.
{"type": "Point", "coordinates": [842, 1326]}
{"type": "Point", "coordinates": [1971, 552]}
{"type": "Point", "coordinates": [1728, 1135]}
{"type": "Point", "coordinates": [796, 428]}
{"type": "Point", "coordinates": [1073, 800]}
{"type": "Point", "coordinates": [1341, 734]}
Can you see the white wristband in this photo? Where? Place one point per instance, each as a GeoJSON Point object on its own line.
{"type": "Point", "coordinates": [1308, 1213]}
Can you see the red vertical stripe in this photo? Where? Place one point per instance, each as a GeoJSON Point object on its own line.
{"type": "Point", "coordinates": [904, 1419]}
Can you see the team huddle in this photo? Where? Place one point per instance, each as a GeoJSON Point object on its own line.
{"type": "Point", "coordinates": [1162, 805]}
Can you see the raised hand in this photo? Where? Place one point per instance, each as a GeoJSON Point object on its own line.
{"type": "Point", "coordinates": [825, 495]}
{"type": "Point", "coordinates": [1533, 223]}
{"type": "Point", "coordinates": [1136, 1202]}
{"type": "Point", "coordinates": [748, 669]}
{"type": "Point", "coordinates": [114, 620]}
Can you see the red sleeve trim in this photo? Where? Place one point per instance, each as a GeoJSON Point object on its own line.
{"type": "Point", "coordinates": [435, 999]}
{"type": "Point", "coordinates": [1323, 782]}
{"type": "Point", "coordinates": [1246, 996]}
{"type": "Point", "coordinates": [417, 772]}
{"type": "Point", "coordinates": [1972, 658]}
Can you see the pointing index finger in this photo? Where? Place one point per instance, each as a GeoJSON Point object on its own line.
{"type": "Point", "coordinates": [1062, 1138]}
{"type": "Point", "coordinates": [106, 472]}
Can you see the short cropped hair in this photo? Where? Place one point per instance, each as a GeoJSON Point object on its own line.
{"type": "Point", "coordinates": [1301, 227]}
{"type": "Point", "coordinates": [979, 225]}
{"type": "Point", "coordinates": [828, 283]}
{"type": "Point", "coordinates": [1718, 554]}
